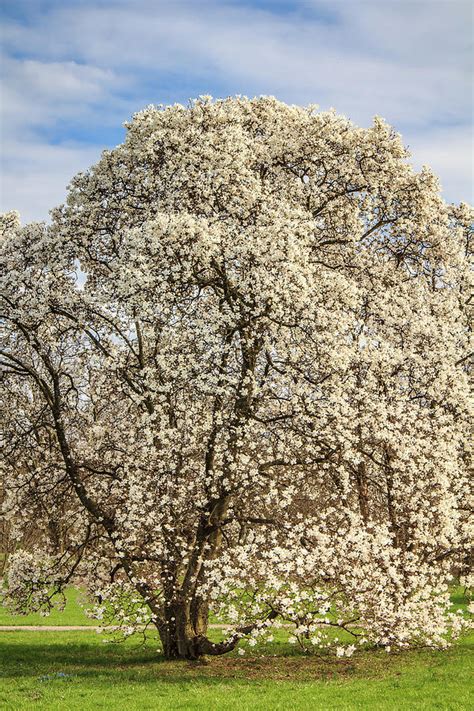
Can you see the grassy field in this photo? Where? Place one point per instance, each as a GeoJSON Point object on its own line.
{"type": "Point", "coordinates": [76, 670]}
{"type": "Point", "coordinates": [73, 613]}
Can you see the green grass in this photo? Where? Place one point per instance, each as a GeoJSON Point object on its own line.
{"type": "Point", "coordinates": [75, 670]}
{"type": "Point", "coordinates": [73, 613]}
{"type": "Point", "coordinates": [54, 671]}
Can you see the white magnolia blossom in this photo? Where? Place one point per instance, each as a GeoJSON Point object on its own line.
{"type": "Point", "coordinates": [254, 397]}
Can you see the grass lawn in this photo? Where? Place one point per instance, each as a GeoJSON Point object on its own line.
{"type": "Point", "coordinates": [76, 670]}
{"type": "Point", "coordinates": [73, 613]}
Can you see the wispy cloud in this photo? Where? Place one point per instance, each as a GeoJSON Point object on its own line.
{"type": "Point", "coordinates": [37, 94]}
{"type": "Point", "coordinates": [448, 150]}
{"type": "Point", "coordinates": [36, 175]}
{"type": "Point", "coordinates": [75, 71]}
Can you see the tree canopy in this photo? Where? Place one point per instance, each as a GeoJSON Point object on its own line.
{"type": "Point", "coordinates": [253, 398]}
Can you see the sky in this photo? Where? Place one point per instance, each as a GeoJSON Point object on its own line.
{"type": "Point", "coordinates": [74, 70]}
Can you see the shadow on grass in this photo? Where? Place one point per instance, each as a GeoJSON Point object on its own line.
{"type": "Point", "coordinates": [118, 664]}
{"type": "Point", "coordinates": [25, 659]}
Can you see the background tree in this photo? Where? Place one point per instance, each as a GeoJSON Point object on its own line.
{"type": "Point", "coordinates": [255, 397]}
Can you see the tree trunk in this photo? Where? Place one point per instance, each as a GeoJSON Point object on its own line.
{"type": "Point", "coordinates": [363, 491]}
{"type": "Point", "coordinates": [183, 633]}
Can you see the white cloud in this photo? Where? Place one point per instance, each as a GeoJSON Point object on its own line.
{"type": "Point", "coordinates": [36, 175]}
{"type": "Point", "coordinates": [37, 93]}
{"type": "Point", "coordinates": [41, 97]}
{"type": "Point", "coordinates": [448, 150]}
{"type": "Point", "coordinates": [91, 64]}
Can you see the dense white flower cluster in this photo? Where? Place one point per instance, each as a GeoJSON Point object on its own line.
{"type": "Point", "coordinates": [34, 582]}
{"type": "Point", "coordinates": [255, 399]}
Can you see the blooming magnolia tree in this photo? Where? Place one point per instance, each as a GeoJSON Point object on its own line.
{"type": "Point", "coordinates": [253, 400]}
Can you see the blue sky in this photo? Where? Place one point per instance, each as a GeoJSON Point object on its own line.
{"type": "Point", "coordinates": [74, 70]}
